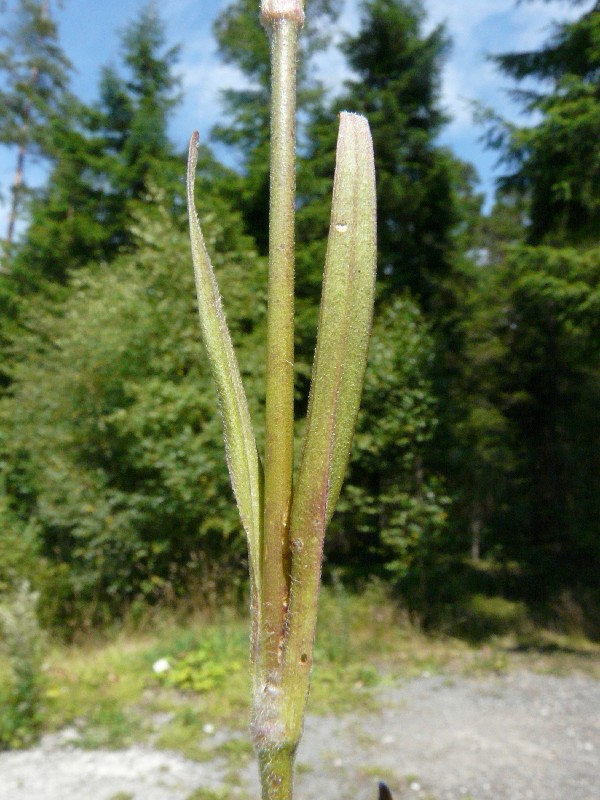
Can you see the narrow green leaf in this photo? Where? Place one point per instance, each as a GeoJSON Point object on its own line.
{"type": "Point", "coordinates": [240, 446]}
{"type": "Point", "coordinates": [338, 372]}
{"type": "Point", "coordinates": [344, 327]}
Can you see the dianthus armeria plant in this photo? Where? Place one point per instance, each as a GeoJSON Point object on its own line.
{"type": "Point", "coordinates": [285, 519]}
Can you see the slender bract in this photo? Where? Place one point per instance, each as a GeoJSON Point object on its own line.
{"type": "Point", "coordinates": [338, 372]}
{"type": "Point", "coordinates": [344, 322]}
{"type": "Point", "coordinates": [240, 446]}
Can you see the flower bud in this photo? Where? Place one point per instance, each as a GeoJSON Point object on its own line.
{"type": "Point", "coordinates": [273, 10]}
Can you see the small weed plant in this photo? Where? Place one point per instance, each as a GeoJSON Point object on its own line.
{"type": "Point", "coordinates": [203, 669]}
{"type": "Point", "coordinates": [285, 516]}
{"type": "Point", "coordinates": [21, 645]}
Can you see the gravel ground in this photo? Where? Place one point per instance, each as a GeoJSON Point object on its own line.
{"type": "Point", "coordinates": [510, 737]}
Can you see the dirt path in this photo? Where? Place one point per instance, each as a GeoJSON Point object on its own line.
{"type": "Point", "coordinates": [511, 737]}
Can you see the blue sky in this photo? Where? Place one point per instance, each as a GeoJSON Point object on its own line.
{"type": "Point", "coordinates": [88, 31]}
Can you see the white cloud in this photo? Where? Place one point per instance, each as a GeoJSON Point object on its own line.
{"type": "Point", "coordinates": [206, 79]}
{"type": "Point", "coordinates": [477, 30]}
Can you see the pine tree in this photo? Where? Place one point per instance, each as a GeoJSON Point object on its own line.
{"type": "Point", "coordinates": [533, 339]}
{"type": "Point", "coordinates": [77, 217]}
{"type": "Point", "coordinates": [397, 87]}
{"type": "Point", "coordinates": [242, 41]}
{"type": "Point", "coordinates": [547, 160]}
{"type": "Point", "coordinates": [34, 75]}
{"type": "Point", "coordinates": [105, 160]}
{"type": "Point", "coordinates": [136, 106]}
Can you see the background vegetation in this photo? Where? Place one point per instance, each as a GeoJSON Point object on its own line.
{"type": "Point", "coordinates": [475, 474]}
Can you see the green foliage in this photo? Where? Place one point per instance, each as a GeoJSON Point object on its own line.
{"type": "Point", "coordinates": [208, 666]}
{"type": "Point", "coordinates": [111, 437]}
{"type": "Point", "coordinates": [207, 794]}
{"type": "Point", "coordinates": [526, 444]}
{"type": "Point", "coordinates": [135, 107]}
{"type": "Point", "coordinates": [482, 616]}
{"type": "Point", "coordinates": [562, 187]}
{"type": "Point", "coordinates": [105, 158]}
{"type": "Point", "coordinates": [113, 488]}
{"type": "Point", "coordinates": [397, 88]}
{"type": "Point", "coordinates": [119, 485]}
{"type": "Point", "coordinates": [426, 210]}
{"type": "Point", "coordinates": [108, 726]}
{"type": "Point", "coordinates": [21, 645]}
{"type": "Point", "coordinates": [72, 220]}
{"type": "Point", "coordinates": [241, 41]}
{"type": "Point", "coordinates": [34, 76]}
{"type": "Point", "coordinates": [196, 672]}
{"type": "Point", "coordinates": [392, 510]}
{"type": "Point", "coordinates": [533, 348]}
{"type": "Point", "coordinates": [552, 363]}
{"type": "Point", "coordinates": [19, 554]}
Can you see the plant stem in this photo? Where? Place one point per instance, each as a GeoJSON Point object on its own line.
{"type": "Point", "coordinates": [276, 774]}
{"type": "Point", "coordinates": [279, 414]}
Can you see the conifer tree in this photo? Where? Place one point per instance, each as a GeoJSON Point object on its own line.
{"type": "Point", "coordinates": [242, 42]}
{"type": "Point", "coordinates": [397, 86]}
{"type": "Point", "coordinates": [533, 339]}
{"type": "Point", "coordinates": [136, 106]}
{"type": "Point", "coordinates": [398, 83]}
{"type": "Point", "coordinates": [34, 74]}
{"type": "Point", "coordinates": [105, 159]}
{"type": "Point", "coordinates": [77, 216]}
{"type": "Point", "coordinates": [546, 162]}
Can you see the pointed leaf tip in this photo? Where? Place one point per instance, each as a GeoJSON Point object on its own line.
{"type": "Point", "coordinates": [343, 331]}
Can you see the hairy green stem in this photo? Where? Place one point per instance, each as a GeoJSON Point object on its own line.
{"type": "Point", "coordinates": [276, 773]}
{"type": "Point", "coordinates": [279, 414]}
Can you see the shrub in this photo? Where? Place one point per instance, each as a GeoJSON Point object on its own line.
{"type": "Point", "coordinates": [21, 645]}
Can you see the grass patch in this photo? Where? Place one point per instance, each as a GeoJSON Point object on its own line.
{"type": "Point", "coordinates": [184, 733]}
{"type": "Point", "coordinates": [208, 794]}
{"type": "Point", "coordinates": [107, 689]}
{"type": "Point", "coordinates": [340, 689]}
{"type": "Point", "coordinates": [484, 616]}
{"type": "Point", "coordinates": [238, 751]}
{"type": "Point", "coordinates": [380, 773]}
{"type": "Point", "coordinates": [110, 727]}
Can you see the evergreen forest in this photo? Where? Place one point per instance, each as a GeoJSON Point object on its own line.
{"type": "Point", "coordinates": [475, 470]}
